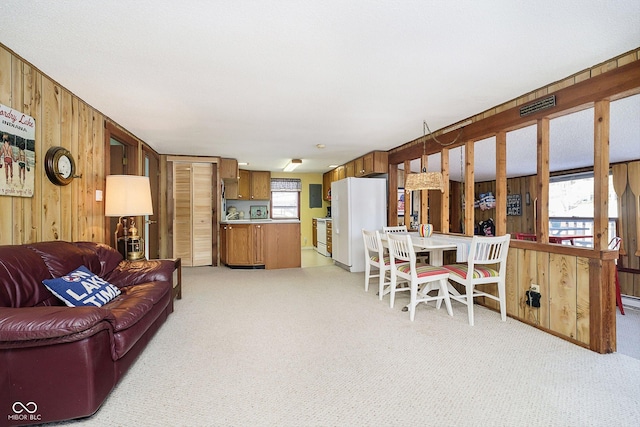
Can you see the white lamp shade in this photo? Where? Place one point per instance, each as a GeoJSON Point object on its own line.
{"type": "Point", "coordinates": [127, 195]}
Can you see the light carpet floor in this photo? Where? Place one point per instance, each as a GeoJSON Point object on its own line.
{"type": "Point", "coordinates": [628, 332]}
{"type": "Point", "coordinates": [308, 347]}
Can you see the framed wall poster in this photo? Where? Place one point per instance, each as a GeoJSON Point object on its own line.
{"type": "Point", "coordinates": [17, 153]}
{"type": "Point", "coordinates": [401, 201]}
{"type": "Point", "coordinates": [514, 205]}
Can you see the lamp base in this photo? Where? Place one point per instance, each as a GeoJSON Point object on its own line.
{"type": "Point", "coordinates": [131, 248]}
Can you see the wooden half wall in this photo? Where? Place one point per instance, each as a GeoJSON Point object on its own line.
{"type": "Point", "coordinates": [577, 288]}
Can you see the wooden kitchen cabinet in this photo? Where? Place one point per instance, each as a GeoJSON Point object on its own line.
{"type": "Point", "coordinates": [244, 184]}
{"type": "Point", "coordinates": [372, 163]}
{"type": "Point", "coordinates": [282, 246]}
{"type": "Point", "coordinates": [258, 255]}
{"type": "Point", "coordinates": [260, 185]}
{"type": "Point", "coordinates": [241, 245]}
{"type": "Point", "coordinates": [228, 169]}
{"type": "Point", "coordinates": [327, 179]}
{"type": "Point", "coordinates": [350, 169]}
{"type": "Point", "coordinates": [251, 185]}
{"type": "Point", "coordinates": [359, 166]}
{"type": "Point", "coordinates": [272, 245]}
{"type": "Point", "coordinates": [329, 238]}
{"type": "Point", "coordinates": [314, 232]}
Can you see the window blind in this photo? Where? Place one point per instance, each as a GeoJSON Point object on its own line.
{"type": "Point", "coordinates": [286, 184]}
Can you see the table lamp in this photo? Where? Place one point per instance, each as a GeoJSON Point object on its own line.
{"type": "Point", "coordinates": [128, 196]}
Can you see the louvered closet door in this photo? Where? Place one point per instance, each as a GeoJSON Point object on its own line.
{"type": "Point", "coordinates": [192, 224]}
{"type": "Point", "coordinates": [201, 209]}
{"type": "Point", "coordinates": [182, 219]}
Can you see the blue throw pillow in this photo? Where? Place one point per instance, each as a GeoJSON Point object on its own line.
{"type": "Point", "coordinates": [82, 288]}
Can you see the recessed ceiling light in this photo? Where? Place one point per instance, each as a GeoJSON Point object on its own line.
{"type": "Point", "coordinates": [243, 163]}
{"type": "Point", "coordinates": [320, 146]}
{"type": "Point", "coordinates": [333, 166]}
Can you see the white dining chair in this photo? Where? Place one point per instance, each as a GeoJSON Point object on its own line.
{"type": "Point", "coordinates": [394, 229]}
{"type": "Point", "coordinates": [421, 257]}
{"type": "Point", "coordinates": [428, 276]}
{"type": "Point", "coordinates": [375, 258]}
{"type": "Point", "coordinates": [486, 264]}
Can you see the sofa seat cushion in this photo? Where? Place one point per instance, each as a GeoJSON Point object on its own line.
{"type": "Point", "coordinates": [127, 311]}
{"type": "Point", "coordinates": [152, 291]}
{"type": "Point", "coordinates": [39, 323]}
{"type": "Point", "coordinates": [135, 302]}
{"type": "Point", "coordinates": [133, 273]}
{"type": "Point", "coordinates": [134, 311]}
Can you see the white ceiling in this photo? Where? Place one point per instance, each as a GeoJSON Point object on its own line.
{"type": "Point", "coordinates": [265, 81]}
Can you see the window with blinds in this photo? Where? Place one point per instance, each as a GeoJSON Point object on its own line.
{"type": "Point", "coordinates": [285, 198]}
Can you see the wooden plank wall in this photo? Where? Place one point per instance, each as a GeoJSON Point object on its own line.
{"type": "Point", "coordinates": [515, 223]}
{"type": "Point", "coordinates": [564, 286]}
{"type": "Point", "coordinates": [62, 119]}
{"type": "Point", "coordinates": [629, 282]}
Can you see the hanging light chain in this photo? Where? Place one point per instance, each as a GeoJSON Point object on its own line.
{"type": "Point", "coordinates": [426, 126]}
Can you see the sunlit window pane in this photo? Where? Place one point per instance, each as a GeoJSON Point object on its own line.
{"type": "Point", "coordinates": [284, 204]}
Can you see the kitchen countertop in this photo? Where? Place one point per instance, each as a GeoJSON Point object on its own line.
{"type": "Point", "coordinates": [323, 219]}
{"type": "Point", "coordinates": [261, 221]}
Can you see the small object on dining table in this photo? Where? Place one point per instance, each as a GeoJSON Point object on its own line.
{"type": "Point", "coordinates": [425, 230]}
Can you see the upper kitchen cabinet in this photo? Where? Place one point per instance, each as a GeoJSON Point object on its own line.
{"type": "Point", "coordinates": [339, 173]}
{"type": "Point", "coordinates": [244, 185]}
{"type": "Point", "coordinates": [229, 169]}
{"type": "Point", "coordinates": [350, 169]}
{"type": "Point", "coordinates": [260, 185]}
{"type": "Point", "coordinates": [372, 163]}
{"type": "Point", "coordinates": [251, 185]}
{"type": "Point", "coordinates": [326, 185]}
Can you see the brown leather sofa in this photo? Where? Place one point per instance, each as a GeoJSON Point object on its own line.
{"type": "Point", "coordinates": [59, 362]}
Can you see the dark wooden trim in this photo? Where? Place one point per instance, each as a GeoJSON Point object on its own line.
{"type": "Point", "coordinates": [628, 270]}
{"type": "Point", "coordinates": [619, 82]}
{"type": "Point", "coordinates": [589, 253]}
{"type": "Point", "coordinates": [111, 130]}
{"type": "Point", "coordinates": [602, 306]}
{"type": "Point", "coordinates": [177, 289]}
{"type": "Point", "coordinates": [392, 209]}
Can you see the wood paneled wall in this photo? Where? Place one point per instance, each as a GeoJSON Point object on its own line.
{"type": "Point", "coordinates": [629, 281]}
{"type": "Point", "coordinates": [62, 119]}
{"type": "Point", "coordinates": [577, 286]}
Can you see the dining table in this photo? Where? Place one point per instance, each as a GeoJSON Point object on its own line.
{"type": "Point", "coordinates": [435, 246]}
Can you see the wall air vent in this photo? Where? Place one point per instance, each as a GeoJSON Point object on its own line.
{"type": "Point", "coordinates": [539, 105]}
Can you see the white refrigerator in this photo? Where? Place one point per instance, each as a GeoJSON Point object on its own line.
{"type": "Point", "coordinates": [356, 203]}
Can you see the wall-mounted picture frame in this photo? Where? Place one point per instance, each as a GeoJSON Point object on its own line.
{"type": "Point", "coordinates": [401, 201]}
{"type": "Point", "coordinates": [17, 153]}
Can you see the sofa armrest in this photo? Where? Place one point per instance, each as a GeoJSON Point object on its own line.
{"type": "Point", "coordinates": [36, 323]}
{"type": "Point", "coordinates": [129, 273]}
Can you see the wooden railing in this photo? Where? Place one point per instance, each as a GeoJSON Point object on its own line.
{"type": "Point", "coordinates": [574, 226]}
